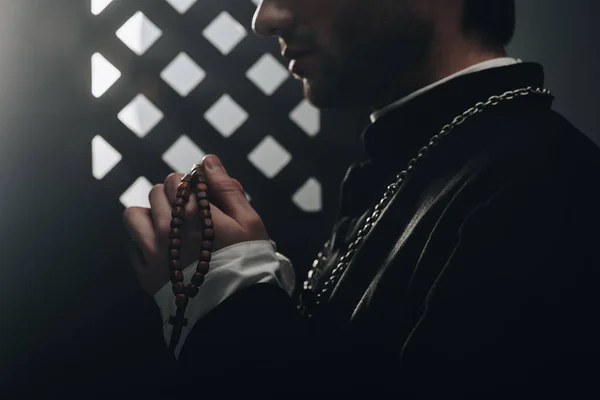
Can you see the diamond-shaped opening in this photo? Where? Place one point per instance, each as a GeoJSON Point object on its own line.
{"type": "Point", "coordinates": [309, 197]}
{"type": "Point", "coordinates": [224, 32]}
{"type": "Point", "coordinates": [181, 5]}
{"type": "Point", "coordinates": [183, 154]}
{"type": "Point", "coordinates": [269, 157]}
{"type": "Point", "coordinates": [307, 117]}
{"type": "Point", "coordinates": [104, 157]}
{"type": "Point", "coordinates": [268, 74]}
{"type": "Point", "coordinates": [226, 116]}
{"type": "Point", "coordinates": [104, 75]}
{"type": "Point", "coordinates": [183, 74]}
{"type": "Point", "coordinates": [137, 194]}
{"type": "Point", "coordinates": [139, 33]}
{"type": "Point", "coordinates": [99, 5]}
{"type": "Point", "coordinates": [140, 115]}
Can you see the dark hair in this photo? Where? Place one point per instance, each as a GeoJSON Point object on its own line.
{"type": "Point", "coordinates": [492, 21]}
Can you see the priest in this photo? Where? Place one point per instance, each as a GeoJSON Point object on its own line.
{"type": "Point", "coordinates": [464, 259]}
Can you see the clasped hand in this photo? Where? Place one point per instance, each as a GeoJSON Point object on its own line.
{"type": "Point", "coordinates": [234, 219]}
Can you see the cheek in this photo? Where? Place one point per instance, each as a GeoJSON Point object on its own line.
{"type": "Point", "coordinates": [336, 49]}
{"type": "Point", "coordinates": [339, 30]}
{"type": "Point", "coordinates": [349, 35]}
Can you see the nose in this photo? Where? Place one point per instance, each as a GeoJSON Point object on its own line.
{"type": "Point", "coordinates": [272, 18]}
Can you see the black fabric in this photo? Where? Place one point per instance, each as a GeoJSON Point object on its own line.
{"type": "Point", "coordinates": [481, 276]}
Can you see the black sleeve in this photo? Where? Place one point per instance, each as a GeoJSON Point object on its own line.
{"type": "Point", "coordinates": [256, 343]}
{"type": "Point", "coordinates": [253, 342]}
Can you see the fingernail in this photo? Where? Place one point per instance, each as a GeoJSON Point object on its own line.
{"type": "Point", "coordinates": [211, 162]}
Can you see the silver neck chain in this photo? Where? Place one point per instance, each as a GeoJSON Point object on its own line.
{"type": "Point", "coordinates": [391, 191]}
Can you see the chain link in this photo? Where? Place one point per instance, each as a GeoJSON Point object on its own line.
{"type": "Point", "coordinates": [393, 189]}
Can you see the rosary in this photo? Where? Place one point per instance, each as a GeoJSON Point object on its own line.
{"type": "Point", "coordinates": [195, 181]}
{"type": "Point", "coordinates": [312, 295]}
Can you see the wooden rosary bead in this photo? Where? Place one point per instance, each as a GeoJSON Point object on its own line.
{"type": "Point", "coordinates": [178, 212]}
{"type": "Point", "coordinates": [201, 178]}
{"type": "Point", "coordinates": [175, 233]}
{"type": "Point", "coordinates": [201, 195]}
{"type": "Point", "coordinates": [179, 202]}
{"type": "Point", "coordinates": [183, 193]}
{"type": "Point", "coordinates": [209, 234]}
{"type": "Point", "coordinates": [186, 178]}
{"type": "Point", "coordinates": [205, 214]}
{"type": "Point", "coordinates": [198, 279]}
{"type": "Point", "coordinates": [203, 204]}
{"type": "Point", "coordinates": [195, 170]}
{"type": "Point", "coordinates": [176, 223]}
{"type": "Point", "coordinates": [174, 254]}
{"type": "Point", "coordinates": [174, 265]}
{"type": "Point", "coordinates": [191, 290]}
{"type": "Point", "coordinates": [195, 179]}
{"type": "Point", "coordinates": [181, 300]}
{"type": "Point", "coordinates": [208, 223]}
{"type": "Point", "coordinates": [202, 187]}
{"type": "Point", "coordinates": [175, 243]}
{"type": "Point", "coordinates": [205, 256]}
{"type": "Point", "coordinates": [203, 267]}
{"type": "Point", "coordinates": [207, 245]}
{"type": "Point", "coordinates": [178, 288]}
{"type": "Point", "coordinates": [176, 276]}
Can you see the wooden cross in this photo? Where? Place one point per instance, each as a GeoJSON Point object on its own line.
{"type": "Point", "coordinates": [178, 321]}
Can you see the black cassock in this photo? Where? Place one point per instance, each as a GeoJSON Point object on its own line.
{"type": "Point", "coordinates": [480, 277]}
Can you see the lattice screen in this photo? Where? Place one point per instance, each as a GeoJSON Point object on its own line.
{"type": "Point", "coordinates": [185, 78]}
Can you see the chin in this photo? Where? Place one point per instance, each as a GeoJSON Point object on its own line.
{"type": "Point", "coordinates": [326, 96]}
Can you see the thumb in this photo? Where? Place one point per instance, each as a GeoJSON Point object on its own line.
{"type": "Point", "coordinates": [225, 191]}
{"type": "Point", "coordinates": [239, 184]}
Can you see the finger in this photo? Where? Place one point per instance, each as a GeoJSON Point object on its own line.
{"type": "Point", "coordinates": [171, 184]}
{"type": "Point", "coordinates": [141, 228]}
{"type": "Point", "coordinates": [225, 193]}
{"type": "Point", "coordinates": [239, 184]}
{"type": "Point", "coordinates": [220, 220]}
{"type": "Point", "coordinates": [161, 212]}
{"type": "Point", "coordinates": [192, 220]}
{"type": "Point", "coordinates": [218, 214]}
{"type": "Point", "coordinates": [191, 208]}
{"type": "Point", "coordinates": [137, 257]}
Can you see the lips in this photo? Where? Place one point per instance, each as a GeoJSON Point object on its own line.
{"type": "Point", "coordinates": [297, 57]}
{"type": "Point", "coordinates": [299, 65]}
{"type": "Point", "coordinates": [292, 53]}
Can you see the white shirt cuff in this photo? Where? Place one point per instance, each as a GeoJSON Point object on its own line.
{"type": "Point", "coordinates": [231, 269]}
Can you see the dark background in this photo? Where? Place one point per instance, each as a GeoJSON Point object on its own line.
{"type": "Point", "coordinates": [64, 277]}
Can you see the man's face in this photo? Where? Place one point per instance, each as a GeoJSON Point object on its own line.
{"type": "Point", "coordinates": [350, 52]}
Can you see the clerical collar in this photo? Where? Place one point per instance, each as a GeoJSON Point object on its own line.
{"type": "Point", "coordinates": [494, 63]}
{"type": "Point", "coordinates": [398, 133]}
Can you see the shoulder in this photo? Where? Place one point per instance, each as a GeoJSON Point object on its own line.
{"type": "Point", "coordinates": [540, 150]}
{"type": "Point", "coordinates": [536, 170]}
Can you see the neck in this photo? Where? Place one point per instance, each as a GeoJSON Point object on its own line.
{"type": "Point", "coordinates": [440, 63]}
